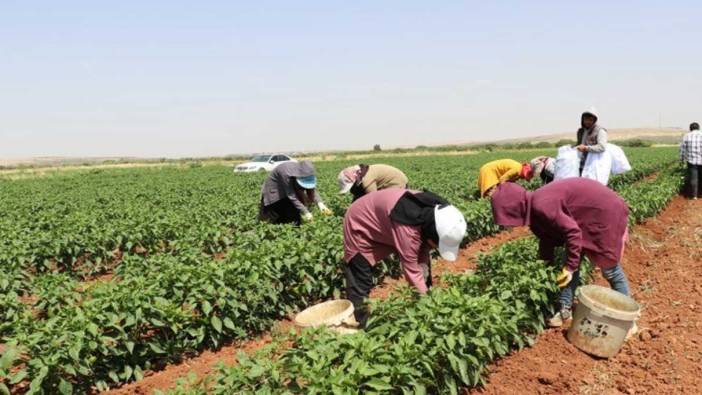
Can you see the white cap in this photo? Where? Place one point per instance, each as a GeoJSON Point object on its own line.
{"type": "Point", "coordinates": [451, 228]}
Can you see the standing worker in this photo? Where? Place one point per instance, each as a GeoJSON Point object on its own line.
{"type": "Point", "coordinates": [544, 167]}
{"type": "Point", "coordinates": [407, 223]}
{"type": "Point", "coordinates": [288, 191]}
{"type": "Point", "coordinates": [591, 137]}
{"type": "Point", "coordinates": [691, 153]}
{"type": "Point", "coordinates": [362, 179]}
{"type": "Point", "coordinates": [589, 218]}
{"type": "Point", "coordinates": [500, 171]}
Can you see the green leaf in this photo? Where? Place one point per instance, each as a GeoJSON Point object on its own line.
{"type": "Point", "coordinates": [463, 370]}
{"type": "Point", "coordinates": [380, 385]}
{"type": "Point", "coordinates": [93, 329]}
{"type": "Point", "coordinates": [74, 352]}
{"type": "Point", "coordinates": [65, 387]}
{"type": "Point", "coordinates": [158, 323]}
{"type": "Point", "coordinates": [256, 371]}
{"type": "Point", "coordinates": [8, 358]}
{"type": "Point", "coordinates": [127, 374]}
{"type": "Point", "coordinates": [130, 346]}
{"type": "Point", "coordinates": [35, 385]}
{"type": "Point", "coordinates": [138, 373]}
{"type": "Point", "coordinates": [18, 377]}
{"type": "Point", "coordinates": [229, 323]}
{"type": "Point", "coordinates": [156, 348]}
{"type": "Point", "coordinates": [206, 307]}
{"type": "Point", "coordinates": [216, 323]}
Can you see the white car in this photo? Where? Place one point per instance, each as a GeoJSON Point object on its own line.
{"type": "Point", "coordinates": [263, 163]}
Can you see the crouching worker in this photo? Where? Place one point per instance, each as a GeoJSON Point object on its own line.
{"type": "Point", "coordinates": [500, 171]}
{"type": "Point", "coordinates": [288, 192]}
{"type": "Point", "coordinates": [582, 214]}
{"type": "Point", "coordinates": [407, 223]}
{"type": "Point", "coordinates": [362, 179]}
{"type": "Point", "coordinates": [544, 167]}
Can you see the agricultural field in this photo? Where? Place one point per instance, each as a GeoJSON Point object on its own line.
{"type": "Point", "coordinates": [109, 274]}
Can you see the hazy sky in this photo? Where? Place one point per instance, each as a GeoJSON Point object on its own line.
{"type": "Point", "coordinates": [193, 78]}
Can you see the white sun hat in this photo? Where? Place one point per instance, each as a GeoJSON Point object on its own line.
{"type": "Point", "coordinates": [451, 227]}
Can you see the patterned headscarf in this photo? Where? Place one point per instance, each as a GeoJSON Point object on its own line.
{"type": "Point", "coordinates": [348, 177]}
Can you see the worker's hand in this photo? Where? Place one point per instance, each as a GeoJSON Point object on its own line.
{"type": "Point", "coordinates": [324, 209]}
{"type": "Point", "coordinates": [582, 148]}
{"type": "Point", "coordinates": [307, 217]}
{"type": "Point", "coordinates": [564, 278]}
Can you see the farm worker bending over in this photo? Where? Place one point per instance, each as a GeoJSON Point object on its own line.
{"type": "Point", "coordinates": [586, 216]}
{"type": "Point", "coordinates": [544, 167]}
{"type": "Point", "coordinates": [362, 179]}
{"type": "Point", "coordinates": [591, 136]}
{"type": "Point", "coordinates": [499, 171]}
{"type": "Point", "coordinates": [287, 192]}
{"type": "Point", "coordinates": [407, 223]}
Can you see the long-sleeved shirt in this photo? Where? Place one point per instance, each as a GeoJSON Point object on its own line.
{"type": "Point", "coordinates": [595, 139]}
{"type": "Point", "coordinates": [691, 148]}
{"type": "Point", "coordinates": [497, 171]}
{"type": "Point", "coordinates": [280, 184]}
{"type": "Point", "coordinates": [369, 231]}
{"type": "Point", "coordinates": [586, 216]}
{"type": "Point", "coordinates": [382, 177]}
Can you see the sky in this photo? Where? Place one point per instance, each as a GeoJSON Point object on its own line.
{"type": "Point", "coordinates": [206, 78]}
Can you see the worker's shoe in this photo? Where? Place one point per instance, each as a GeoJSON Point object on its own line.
{"type": "Point", "coordinates": [559, 318]}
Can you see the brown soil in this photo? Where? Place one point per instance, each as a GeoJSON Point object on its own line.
{"type": "Point", "coordinates": [663, 261]}
{"type": "Point", "coordinates": [665, 356]}
{"type": "Point", "coordinates": [207, 361]}
{"type": "Point", "coordinates": [201, 365]}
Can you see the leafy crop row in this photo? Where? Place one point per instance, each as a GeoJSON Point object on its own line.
{"type": "Point", "coordinates": [433, 344]}
{"type": "Point", "coordinates": [175, 298]}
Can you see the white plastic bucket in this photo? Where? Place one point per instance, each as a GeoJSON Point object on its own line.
{"type": "Point", "coordinates": [602, 320]}
{"type": "Point", "coordinates": [335, 314]}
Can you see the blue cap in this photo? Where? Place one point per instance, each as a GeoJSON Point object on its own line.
{"type": "Point", "coordinates": [309, 182]}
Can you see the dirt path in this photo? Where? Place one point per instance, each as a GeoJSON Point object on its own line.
{"type": "Point", "coordinates": [206, 362]}
{"type": "Point", "coordinates": [663, 261]}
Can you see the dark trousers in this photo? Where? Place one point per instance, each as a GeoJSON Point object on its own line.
{"type": "Point", "coordinates": [359, 282]}
{"type": "Point", "coordinates": [583, 159]}
{"type": "Point", "coordinates": [694, 179]}
{"type": "Point", "coordinates": [281, 212]}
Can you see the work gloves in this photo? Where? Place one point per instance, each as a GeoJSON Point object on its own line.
{"type": "Point", "coordinates": [307, 216]}
{"type": "Point", "coordinates": [324, 209]}
{"type": "Point", "coordinates": [564, 278]}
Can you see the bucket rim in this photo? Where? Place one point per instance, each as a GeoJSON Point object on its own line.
{"type": "Point", "coordinates": [605, 310]}
{"type": "Point", "coordinates": [333, 320]}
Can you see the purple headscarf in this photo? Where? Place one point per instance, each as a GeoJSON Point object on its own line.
{"type": "Point", "coordinates": [511, 205]}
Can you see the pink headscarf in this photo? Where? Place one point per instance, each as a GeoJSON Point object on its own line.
{"type": "Point", "coordinates": [511, 205]}
{"type": "Point", "coordinates": [348, 177]}
{"type": "Point", "coordinates": [351, 173]}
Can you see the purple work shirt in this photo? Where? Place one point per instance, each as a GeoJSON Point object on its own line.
{"type": "Point", "coordinates": [369, 231]}
{"type": "Point", "coordinates": [584, 215]}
